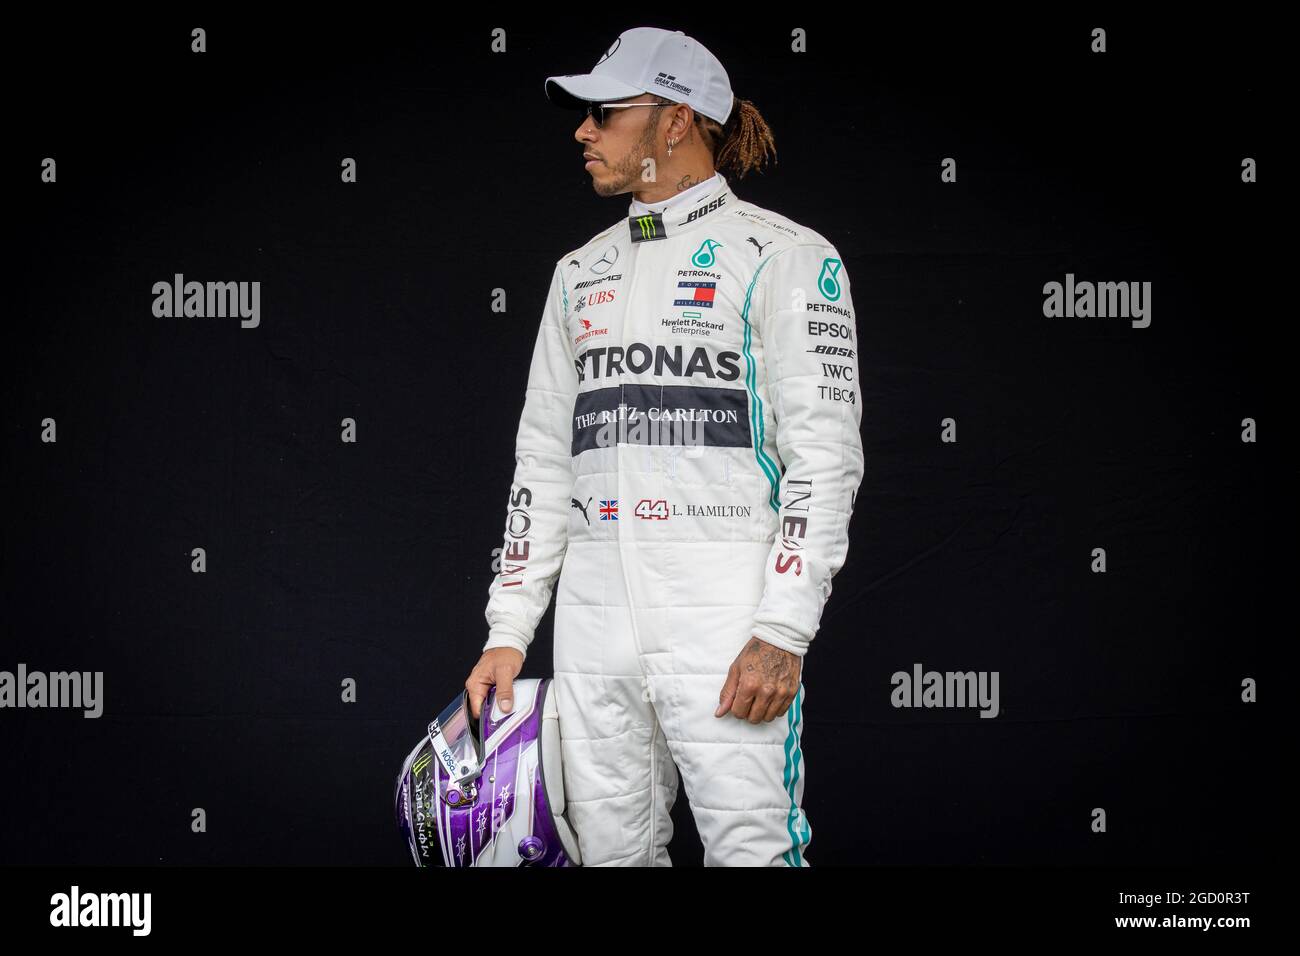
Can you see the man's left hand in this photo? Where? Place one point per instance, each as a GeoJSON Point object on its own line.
{"type": "Point", "coordinates": [762, 683]}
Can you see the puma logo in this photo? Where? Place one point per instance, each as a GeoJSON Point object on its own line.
{"type": "Point", "coordinates": [575, 503]}
{"type": "Point", "coordinates": [762, 247]}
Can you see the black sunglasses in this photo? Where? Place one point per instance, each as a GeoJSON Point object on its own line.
{"type": "Point", "coordinates": [597, 111]}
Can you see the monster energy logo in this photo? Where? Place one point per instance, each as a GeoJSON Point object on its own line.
{"type": "Point", "coordinates": [419, 765]}
{"type": "Point", "coordinates": [647, 227]}
{"type": "Point", "coordinates": [828, 282]}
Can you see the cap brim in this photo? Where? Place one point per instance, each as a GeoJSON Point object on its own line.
{"type": "Point", "coordinates": [576, 90]}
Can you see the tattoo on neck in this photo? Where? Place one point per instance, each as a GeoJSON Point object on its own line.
{"type": "Point", "coordinates": [686, 182]}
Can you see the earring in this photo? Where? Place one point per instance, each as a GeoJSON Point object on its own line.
{"type": "Point", "coordinates": [670, 146]}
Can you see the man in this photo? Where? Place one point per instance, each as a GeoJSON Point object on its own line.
{"type": "Point", "coordinates": [689, 455]}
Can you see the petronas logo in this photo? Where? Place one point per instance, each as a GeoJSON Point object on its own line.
{"type": "Point", "coordinates": [645, 228]}
{"type": "Point", "coordinates": [703, 258]}
{"type": "Point", "coordinates": [829, 281]}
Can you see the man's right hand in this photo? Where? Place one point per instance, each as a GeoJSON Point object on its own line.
{"type": "Point", "coordinates": [499, 666]}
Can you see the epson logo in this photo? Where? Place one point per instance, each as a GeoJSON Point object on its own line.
{"type": "Point", "coordinates": [830, 330]}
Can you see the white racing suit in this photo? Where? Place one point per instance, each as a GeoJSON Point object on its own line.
{"type": "Point", "coordinates": [686, 463]}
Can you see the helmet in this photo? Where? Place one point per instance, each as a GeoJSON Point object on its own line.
{"type": "Point", "coordinates": [491, 792]}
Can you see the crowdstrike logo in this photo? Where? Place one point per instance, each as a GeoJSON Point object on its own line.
{"type": "Point", "coordinates": [588, 331]}
{"type": "Point", "coordinates": [102, 909]}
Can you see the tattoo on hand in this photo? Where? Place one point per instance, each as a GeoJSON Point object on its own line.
{"type": "Point", "coordinates": [776, 664]}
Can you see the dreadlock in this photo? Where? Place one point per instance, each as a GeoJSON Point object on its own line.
{"type": "Point", "coordinates": [741, 145]}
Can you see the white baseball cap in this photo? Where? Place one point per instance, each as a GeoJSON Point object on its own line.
{"type": "Point", "coordinates": [650, 60]}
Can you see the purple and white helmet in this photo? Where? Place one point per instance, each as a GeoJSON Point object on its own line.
{"type": "Point", "coordinates": [489, 793]}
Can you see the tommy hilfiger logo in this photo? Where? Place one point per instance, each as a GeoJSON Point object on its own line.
{"type": "Point", "coordinates": [647, 227]}
{"type": "Point", "coordinates": [701, 294]}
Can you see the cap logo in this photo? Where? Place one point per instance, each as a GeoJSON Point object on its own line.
{"type": "Point", "coordinates": [610, 51]}
{"type": "Point", "coordinates": [670, 81]}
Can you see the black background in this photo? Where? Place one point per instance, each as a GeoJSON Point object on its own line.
{"type": "Point", "coordinates": [372, 561]}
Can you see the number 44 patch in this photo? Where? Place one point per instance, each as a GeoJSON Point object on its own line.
{"type": "Point", "coordinates": [651, 510]}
